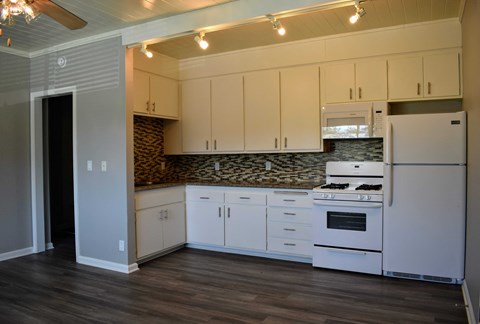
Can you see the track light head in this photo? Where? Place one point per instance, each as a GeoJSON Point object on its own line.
{"type": "Point", "coordinates": [199, 39]}
{"type": "Point", "coordinates": [277, 25]}
{"type": "Point", "coordinates": [145, 51]}
{"type": "Point", "coordinates": [359, 12]}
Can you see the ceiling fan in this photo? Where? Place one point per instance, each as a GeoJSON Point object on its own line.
{"type": "Point", "coordinates": [31, 9]}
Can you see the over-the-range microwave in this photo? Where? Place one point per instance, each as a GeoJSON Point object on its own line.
{"type": "Point", "coordinates": [354, 120]}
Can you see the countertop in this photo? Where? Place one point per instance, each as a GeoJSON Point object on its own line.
{"type": "Point", "coordinates": [306, 184]}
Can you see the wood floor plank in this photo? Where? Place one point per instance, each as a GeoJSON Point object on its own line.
{"type": "Point", "coordinates": [195, 286]}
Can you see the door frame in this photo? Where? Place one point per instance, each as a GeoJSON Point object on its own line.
{"type": "Point", "coordinates": [36, 160]}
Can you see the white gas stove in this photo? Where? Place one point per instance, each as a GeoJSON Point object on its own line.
{"type": "Point", "coordinates": [348, 217]}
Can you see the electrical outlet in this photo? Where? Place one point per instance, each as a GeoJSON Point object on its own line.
{"type": "Point", "coordinates": [121, 245]}
{"type": "Point", "coordinates": [89, 165]}
{"type": "Point", "coordinates": [162, 166]}
{"type": "Point", "coordinates": [217, 166]}
{"type": "Point", "coordinates": [268, 165]}
{"type": "Point", "coordinates": [104, 166]}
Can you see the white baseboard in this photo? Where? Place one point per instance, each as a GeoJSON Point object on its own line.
{"type": "Point", "coordinates": [16, 254]}
{"type": "Point", "coordinates": [118, 267]}
{"type": "Point", "coordinates": [468, 303]}
{"type": "Point", "coordinates": [49, 246]}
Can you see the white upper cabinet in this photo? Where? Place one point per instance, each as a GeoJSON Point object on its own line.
{"type": "Point", "coordinates": [300, 108]}
{"type": "Point", "coordinates": [196, 112]}
{"type": "Point", "coordinates": [441, 75]}
{"type": "Point", "coordinates": [262, 111]}
{"type": "Point", "coordinates": [155, 95]}
{"type": "Point", "coordinates": [360, 81]}
{"type": "Point", "coordinates": [227, 114]}
{"type": "Point", "coordinates": [430, 76]}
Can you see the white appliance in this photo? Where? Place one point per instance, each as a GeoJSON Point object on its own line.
{"type": "Point", "coordinates": [347, 218]}
{"type": "Point", "coordinates": [425, 187]}
{"type": "Point", "coordinates": [354, 120]}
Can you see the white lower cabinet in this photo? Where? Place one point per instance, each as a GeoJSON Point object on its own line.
{"type": "Point", "coordinates": [205, 223]}
{"type": "Point", "coordinates": [290, 222]}
{"type": "Point", "coordinates": [246, 227]}
{"type": "Point", "coordinates": [159, 220]}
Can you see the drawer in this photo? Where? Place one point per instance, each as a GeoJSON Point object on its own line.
{"type": "Point", "coordinates": [290, 246]}
{"type": "Point", "coordinates": [158, 197]}
{"type": "Point", "coordinates": [250, 198]}
{"type": "Point", "coordinates": [216, 196]}
{"type": "Point", "coordinates": [290, 198]}
{"type": "Point", "coordinates": [289, 230]}
{"type": "Point", "coordinates": [350, 260]}
{"type": "Point", "coordinates": [295, 215]}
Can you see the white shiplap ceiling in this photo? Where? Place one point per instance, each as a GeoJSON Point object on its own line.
{"type": "Point", "coordinates": [105, 16]}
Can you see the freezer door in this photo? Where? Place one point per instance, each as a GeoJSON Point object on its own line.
{"type": "Point", "coordinates": [426, 139]}
{"type": "Point", "coordinates": [424, 228]}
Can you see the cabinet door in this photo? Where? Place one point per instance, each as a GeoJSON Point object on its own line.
{"type": "Point", "coordinates": [164, 96]}
{"type": "Point", "coordinates": [227, 114]}
{"type": "Point", "coordinates": [149, 223]}
{"type": "Point", "coordinates": [173, 224]}
{"type": "Point", "coordinates": [141, 92]}
{"type": "Point", "coordinates": [246, 227]}
{"type": "Point", "coordinates": [300, 107]}
{"type": "Point", "coordinates": [205, 223]}
{"type": "Point", "coordinates": [196, 126]}
{"type": "Point", "coordinates": [371, 80]}
{"type": "Point", "coordinates": [405, 78]}
{"type": "Point", "coordinates": [262, 111]}
{"type": "Point", "coordinates": [441, 75]}
{"type": "Point", "coordinates": [340, 83]}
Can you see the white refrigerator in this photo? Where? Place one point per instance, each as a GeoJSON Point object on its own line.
{"type": "Point", "coordinates": [424, 197]}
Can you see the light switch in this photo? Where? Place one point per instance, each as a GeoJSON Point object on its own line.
{"type": "Point", "coordinates": [89, 165]}
{"type": "Point", "coordinates": [217, 166]}
{"type": "Point", "coordinates": [104, 166]}
{"type": "Point", "coordinates": [268, 165]}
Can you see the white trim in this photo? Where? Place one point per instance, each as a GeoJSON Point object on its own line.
{"type": "Point", "coordinates": [14, 51]}
{"type": "Point", "coordinates": [468, 303]}
{"type": "Point", "coordinates": [118, 267]}
{"type": "Point", "coordinates": [16, 254]}
{"type": "Point", "coordinates": [38, 239]}
{"type": "Point", "coordinates": [49, 246]}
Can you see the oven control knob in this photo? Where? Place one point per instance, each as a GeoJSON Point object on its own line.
{"type": "Point", "coordinates": [369, 197]}
{"type": "Point", "coordinates": [325, 195]}
{"type": "Point", "coordinates": [332, 196]}
{"type": "Point", "coordinates": [360, 197]}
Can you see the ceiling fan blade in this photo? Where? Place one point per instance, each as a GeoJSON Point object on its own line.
{"type": "Point", "coordinates": [59, 14]}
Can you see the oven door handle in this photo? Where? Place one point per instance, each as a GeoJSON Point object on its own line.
{"type": "Point", "coordinates": [348, 204]}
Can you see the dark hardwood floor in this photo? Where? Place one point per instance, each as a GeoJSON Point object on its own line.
{"type": "Point", "coordinates": [194, 286]}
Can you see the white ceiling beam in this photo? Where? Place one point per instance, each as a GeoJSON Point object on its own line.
{"type": "Point", "coordinates": [218, 17]}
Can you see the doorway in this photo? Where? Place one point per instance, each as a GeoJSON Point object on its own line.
{"type": "Point", "coordinates": [58, 173]}
{"type": "Point", "coordinates": [54, 169]}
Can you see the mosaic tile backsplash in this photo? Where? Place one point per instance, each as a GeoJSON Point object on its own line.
{"type": "Point", "coordinates": [286, 167]}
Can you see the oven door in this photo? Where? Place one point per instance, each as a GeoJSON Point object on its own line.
{"type": "Point", "coordinates": [348, 224]}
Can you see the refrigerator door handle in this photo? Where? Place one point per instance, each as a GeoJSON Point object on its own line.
{"type": "Point", "coordinates": [389, 142]}
{"type": "Point", "coordinates": [390, 185]}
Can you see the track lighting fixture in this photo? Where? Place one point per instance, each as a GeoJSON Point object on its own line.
{"type": "Point", "coordinates": [145, 51]}
{"type": "Point", "coordinates": [359, 12]}
{"type": "Point", "coordinates": [277, 25]}
{"type": "Point", "coordinates": [199, 39]}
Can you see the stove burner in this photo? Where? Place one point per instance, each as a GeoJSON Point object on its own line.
{"type": "Point", "coordinates": [339, 186]}
{"type": "Point", "coordinates": [369, 187]}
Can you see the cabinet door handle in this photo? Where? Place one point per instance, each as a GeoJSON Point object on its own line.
{"type": "Point", "coordinates": [290, 214]}
{"type": "Point", "coordinates": [290, 229]}
{"type": "Point", "coordinates": [244, 197]}
{"type": "Point", "coordinates": [219, 212]}
{"type": "Point", "coordinates": [228, 212]}
{"type": "Point", "coordinates": [276, 142]}
{"type": "Point", "coordinates": [289, 244]}
{"type": "Point", "coordinates": [359, 93]}
{"type": "Point", "coordinates": [204, 197]}
{"type": "Point", "coordinates": [351, 93]}
{"type": "Point", "coordinates": [206, 145]}
{"type": "Point", "coordinates": [418, 88]}
{"type": "Point", "coordinates": [429, 88]}
{"type": "Point", "coordinates": [161, 214]}
{"type": "Point", "coordinates": [166, 214]}
{"type": "Point", "coordinates": [215, 145]}
{"type": "Point", "coordinates": [153, 104]}
{"type": "Point", "coordinates": [286, 145]}
{"type": "Point", "coordinates": [148, 105]}
{"type": "Point", "coordinates": [289, 200]}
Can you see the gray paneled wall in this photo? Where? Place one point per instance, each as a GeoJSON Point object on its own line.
{"type": "Point", "coordinates": [286, 167]}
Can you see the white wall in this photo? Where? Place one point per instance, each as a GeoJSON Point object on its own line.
{"type": "Point", "coordinates": [471, 103]}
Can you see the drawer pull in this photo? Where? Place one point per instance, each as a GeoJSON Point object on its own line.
{"type": "Point", "coordinates": [289, 200]}
{"type": "Point", "coordinates": [279, 192]}
{"type": "Point", "coordinates": [228, 212]}
{"type": "Point", "coordinates": [244, 197]}
{"type": "Point", "coordinates": [219, 211]}
{"type": "Point", "coordinates": [289, 229]}
{"type": "Point", "coordinates": [204, 197]}
{"type": "Point", "coordinates": [289, 244]}
{"type": "Point", "coordinates": [290, 214]}
{"type": "Point", "coordinates": [341, 251]}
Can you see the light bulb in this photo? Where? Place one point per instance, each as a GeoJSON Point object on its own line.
{"type": "Point", "coordinates": [281, 31]}
{"type": "Point", "coordinates": [201, 42]}
{"type": "Point", "coordinates": [354, 18]}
